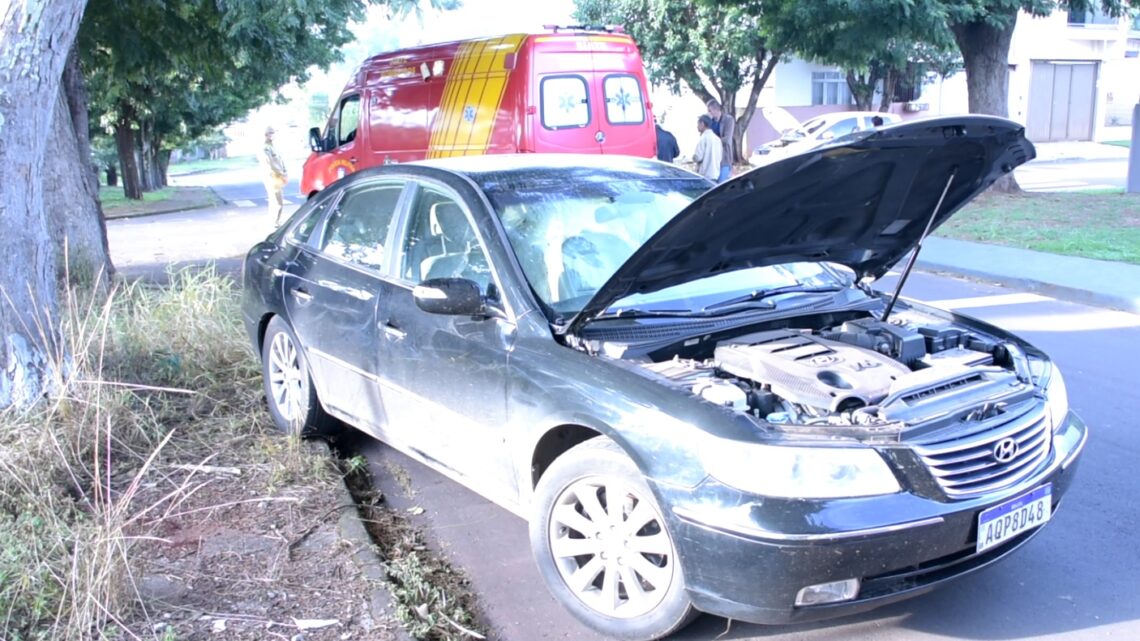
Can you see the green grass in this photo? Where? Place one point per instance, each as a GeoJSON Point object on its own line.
{"type": "Point", "coordinates": [113, 196]}
{"type": "Point", "coordinates": [1101, 224]}
{"type": "Point", "coordinates": [219, 164]}
{"type": "Point", "coordinates": [1120, 143]}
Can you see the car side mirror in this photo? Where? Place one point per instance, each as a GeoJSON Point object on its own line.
{"type": "Point", "coordinates": [450, 296]}
{"type": "Point", "coordinates": [827, 135]}
{"type": "Point", "coordinates": [315, 142]}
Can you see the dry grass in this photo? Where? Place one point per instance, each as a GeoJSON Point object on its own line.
{"type": "Point", "coordinates": [136, 374]}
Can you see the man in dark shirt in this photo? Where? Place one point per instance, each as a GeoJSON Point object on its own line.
{"type": "Point", "coordinates": [667, 149]}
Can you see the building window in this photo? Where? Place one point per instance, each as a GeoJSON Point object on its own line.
{"type": "Point", "coordinates": [1093, 17]}
{"type": "Point", "coordinates": [829, 88]}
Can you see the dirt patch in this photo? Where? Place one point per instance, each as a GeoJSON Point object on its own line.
{"type": "Point", "coordinates": [433, 600]}
{"type": "Point", "coordinates": [253, 550]}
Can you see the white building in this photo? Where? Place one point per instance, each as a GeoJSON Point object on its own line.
{"type": "Point", "coordinates": [1073, 76]}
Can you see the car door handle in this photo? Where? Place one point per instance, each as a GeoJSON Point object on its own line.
{"type": "Point", "coordinates": [301, 295]}
{"type": "Point", "coordinates": [393, 332]}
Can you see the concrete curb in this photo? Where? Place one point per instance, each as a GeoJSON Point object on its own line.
{"type": "Point", "coordinates": [1052, 290]}
{"type": "Point", "coordinates": [164, 210]}
{"type": "Point", "coordinates": [380, 599]}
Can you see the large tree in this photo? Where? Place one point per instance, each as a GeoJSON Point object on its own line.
{"type": "Point", "coordinates": [876, 43]}
{"type": "Point", "coordinates": [983, 30]}
{"type": "Point", "coordinates": [714, 49]}
{"type": "Point", "coordinates": [169, 71]}
{"type": "Point", "coordinates": [35, 39]}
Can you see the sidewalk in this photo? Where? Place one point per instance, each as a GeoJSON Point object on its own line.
{"type": "Point", "coordinates": [1080, 280]}
{"type": "Point", "coordinates": [1072, 151]}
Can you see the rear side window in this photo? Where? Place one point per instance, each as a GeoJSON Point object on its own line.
{"type": "Point", "coordinates": [565, 102]}
{"type": "Point", "coordinates": [358, 229]}
{"type": "Point", "coordinates": [624, 102]}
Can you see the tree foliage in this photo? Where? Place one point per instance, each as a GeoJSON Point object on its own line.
{"type": "Point", "coordinates": [714, 49]}
{"type": "Point", "coordinates": [167, 71]}
{"type": "Point", "coordinates": [874, 41]}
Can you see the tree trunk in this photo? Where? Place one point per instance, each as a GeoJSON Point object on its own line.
{"type": "Point", "coordinates": [985, 52]}
{"type": "Point", "coordinates": [71, 204]}
{"type": "Point", "coordinates": [889, 82]}
{"type": "Point", "coordinates": [163, 166]}
{"type": "Point", "coordinates": [71, 195]}
{"type": "Point", "coordinates": [759, 79]}
{"type": "Point", "coordinates": [862, 89]}
{"type": "Point", "coordinates": [147, 154]}
{"type": "Point", "coordinates": [125, 145]}
{"type": "Point", "coordinates": [35, 38]}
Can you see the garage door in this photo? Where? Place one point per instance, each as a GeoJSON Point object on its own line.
{"type": "Point", "coordinates": [1061, 100]}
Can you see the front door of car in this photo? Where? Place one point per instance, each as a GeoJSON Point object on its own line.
{"type": "Point", "coordinates": [332, 294]}
{"type": "Point", "coordinates": [446, 376]}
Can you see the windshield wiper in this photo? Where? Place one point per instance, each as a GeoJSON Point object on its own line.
{"type": "Point", "coordinates": [761, 294]}
{"type": "Point", "coordinates": [634, 312]}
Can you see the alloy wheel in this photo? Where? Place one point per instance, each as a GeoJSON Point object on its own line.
{"type": "Point", "coordinates": [611, 548]}
{"type": "Point", "coordinates": [287, 382]}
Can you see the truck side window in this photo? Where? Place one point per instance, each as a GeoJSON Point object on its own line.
{"type": "Point", "coordinates": [624, 103]}
{"type": "Point", "coordinates": [348, 120]}
{"type": "Point", "coordinates": [565, 102]}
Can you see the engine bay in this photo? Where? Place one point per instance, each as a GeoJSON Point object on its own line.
{"type": "Point", "coordinates": [862, 372]}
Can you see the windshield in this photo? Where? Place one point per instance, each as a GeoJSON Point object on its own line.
{"type": "Point", "coordinates": [705, 293]}
{"type": "Point", "coordinates": [571, 236]}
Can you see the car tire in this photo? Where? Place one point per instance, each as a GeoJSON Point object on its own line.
{"type": "Point", "coordinates": [288, 385]}
{"type": "Point", "coordinates": [623, 580]}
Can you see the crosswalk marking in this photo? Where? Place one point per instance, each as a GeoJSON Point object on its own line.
{"type": "Point", "coordinates": [261, 202]}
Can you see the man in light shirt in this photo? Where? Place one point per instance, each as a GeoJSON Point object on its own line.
{"type": "Point", "coordinates": [709, 150]}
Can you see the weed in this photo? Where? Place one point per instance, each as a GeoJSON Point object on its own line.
{"type": "Point", "coordinates": [131, 371]}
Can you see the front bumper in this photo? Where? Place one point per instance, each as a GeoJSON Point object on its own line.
{"type": "Point", "coordinates": [746, 557]}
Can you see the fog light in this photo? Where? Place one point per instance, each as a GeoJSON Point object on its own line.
{"type": "Point", "coordinates": [833, 592]}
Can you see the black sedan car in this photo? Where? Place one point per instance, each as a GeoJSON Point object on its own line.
{"type": "Point", "coordinates": [692, 393]}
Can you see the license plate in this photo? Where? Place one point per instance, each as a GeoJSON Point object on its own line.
{"type": "Point", "coordinates": [1003, 522]}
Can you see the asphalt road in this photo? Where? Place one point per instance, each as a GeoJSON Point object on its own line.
{"type": "Point", "coordinates": [1071, 175]}
{"type": "Point", "coordinates": [1078, 580]}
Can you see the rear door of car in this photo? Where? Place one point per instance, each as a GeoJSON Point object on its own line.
{"type": "Point", "coordinates": [332, 293]}
{"type": "Point", "coordinates": [445, 377]}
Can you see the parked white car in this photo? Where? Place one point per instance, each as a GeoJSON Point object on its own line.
{"type": "Point", "coordinates": [796, 137]}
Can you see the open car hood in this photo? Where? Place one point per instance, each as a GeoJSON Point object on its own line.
{"type": "Point", "coordinates": [780, 119]}
{"type": "Point", "coordinates": [862, 200]}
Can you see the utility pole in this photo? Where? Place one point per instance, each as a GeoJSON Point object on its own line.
{"type": "Point", "coordinates": [1134, 153]}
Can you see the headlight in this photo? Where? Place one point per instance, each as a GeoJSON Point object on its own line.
{"type": "Point", "coordinates": [1056, 399]}
{"type": "Point", "coordinates": [799, 472]}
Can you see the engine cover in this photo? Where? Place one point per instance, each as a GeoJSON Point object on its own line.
{"type": "Point", "coordinates": [809, 370]}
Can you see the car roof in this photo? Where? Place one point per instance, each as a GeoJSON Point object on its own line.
{"type": "Point", "coordinates": [542, 168]}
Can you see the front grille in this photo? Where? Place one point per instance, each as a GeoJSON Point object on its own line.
{"type": "Point", "coordinates": [965, 465]}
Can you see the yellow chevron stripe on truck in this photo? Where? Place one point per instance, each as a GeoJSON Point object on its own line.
{"type": "Point", "coordinates": [472, 97]}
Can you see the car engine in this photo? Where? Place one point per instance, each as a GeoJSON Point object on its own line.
{"type": "Point", "coordinates": [863, 372]}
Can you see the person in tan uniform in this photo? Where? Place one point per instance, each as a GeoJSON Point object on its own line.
{"type": "Point", "coordinates": [275, 177]}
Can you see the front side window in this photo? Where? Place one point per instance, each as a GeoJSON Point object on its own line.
{"type": "Point", "coordinates": [565, 102]}
{"type": "Point", "coordinates": [357, 230]}
{"type": "Point", "coordinates": [624, 103]}
{"type": "Point", "coordinates": [441, 243]}
{"type": "Point", "coordinates": [348, 120]}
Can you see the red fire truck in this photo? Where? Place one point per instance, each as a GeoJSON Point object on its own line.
{"type": "Point", "coordinates": [570, 90]}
